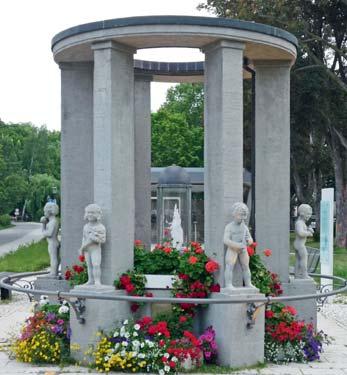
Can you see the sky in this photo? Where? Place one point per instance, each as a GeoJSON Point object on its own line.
{"type": "Point", "coordinates": [30, 79]}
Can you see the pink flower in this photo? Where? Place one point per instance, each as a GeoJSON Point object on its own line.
{"type": "Point", "coordinates": [267, 252]}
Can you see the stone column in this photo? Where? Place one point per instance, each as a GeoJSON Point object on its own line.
{"type": "Point", "coordinates": [114, 153]}
{"type": "Point", "coordinates": [272, 153]}
{"type": "Point", "coordinates": [223, 140]}
{"type": "Point", "coordinates": [76, 154]}
{"type": "Point", "coordinates": [142, 112]}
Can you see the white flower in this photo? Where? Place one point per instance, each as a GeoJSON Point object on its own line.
{"type": "Point", "coordinates": [174, 359]}
{"type": "Point", "coordinates": [123, 353]}
{"type": "Point", "coordinates": [124, 343]}
{"type": "Point", "coordinates": [166, 368]}
{"type": "Point", "coordinates": [126, 322]}
{"type": "Point", "coordinates": [166, 355]}
{"type": "Point", "coordinates": [116, 333]}
{"type": "Point", "coordinates": [117, 345]}
{"type": "Point", "coordinates": [106, 358]}
{"type": "Point", "coordinates": [127, 335]}
{"type": "Point", "coordinates": [150, 344]}
{"type": "Point", "coordinates": [135, 334]}
{"type": "Point", "coordinates": [44, 300]}
{"type": "Point", "coordinates": [142, 355]}
{"type": "Point", "coordinates": [142, 344]}
{"type": "Point", "coordinates": [161, 372]}
{"type": "Point", "coordinates": [122, 331]}
{"type": "Point", "coordinates": [63, 309]}
{"type": "Point", "coordinates": [137, 327]}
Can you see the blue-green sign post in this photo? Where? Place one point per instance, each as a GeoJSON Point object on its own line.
{"type": "Point", "coordinates": [327, 234]}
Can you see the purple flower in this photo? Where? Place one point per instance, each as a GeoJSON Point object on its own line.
{"type": "Point", "coordinates": [207, 355]}
{"type": "Point", "coordinates": [214, 345]}
{"type": "Point", "coordinates": [60, 321]}
{"type": "Point", "coordinates": [50, 316]}
{"type": "Point", "coordinates": [57, 329]}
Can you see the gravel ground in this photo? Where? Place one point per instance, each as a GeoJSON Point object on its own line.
{"type": "Point", "coordinates": [337, 310]}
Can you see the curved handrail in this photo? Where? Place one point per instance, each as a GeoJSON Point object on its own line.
{"type": "Point", "coordinates": [6, 282]}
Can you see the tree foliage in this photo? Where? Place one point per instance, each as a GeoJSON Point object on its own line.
{"type": "Point", "coordinates": [177, 132]}
{"type": "Point", "coordinates": [27, 152]}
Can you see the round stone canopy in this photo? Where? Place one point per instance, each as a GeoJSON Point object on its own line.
{"type": "Point", "coordinates": [262, 42]}
{"type": "Point", "coordinates": [174, 175]}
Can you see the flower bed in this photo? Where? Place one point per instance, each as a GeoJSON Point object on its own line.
{"type": "Point", "coordinates": [288, 339]}
{"type": "Point", "coordinates": [148, 346]}
{"type": "Point", "coordinates": [46, 336]}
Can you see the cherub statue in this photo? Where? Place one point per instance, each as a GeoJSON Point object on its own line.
{"type": "Point", "coordinates": [236, 238]}
{"type": "Point", "coordinates": [50, 228]}
{"type": "Point", "coordinates": [302, 232]}
{"type": "Point", "coordinates": [94, 234]}
{"type": "Point", "coordinates": [176, 230]}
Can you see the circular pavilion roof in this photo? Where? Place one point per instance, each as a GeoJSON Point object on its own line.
{"type": "Point", "coordinates": [262, 42]}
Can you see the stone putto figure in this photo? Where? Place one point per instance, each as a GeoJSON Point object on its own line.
{"type": "Point", "coordinates": [301, 234]}
{"type": "Point", "coordinates": [236, 238]}
{"type": "Point", "coordinates": [94, 234]}
{"type": "Point", "coordinates": [176, 230]}
{"type": "Point", "coordinates": [50, 228]}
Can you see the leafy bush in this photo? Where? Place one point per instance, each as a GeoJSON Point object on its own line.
{"type": "Point", "coordinates": [5, 221]}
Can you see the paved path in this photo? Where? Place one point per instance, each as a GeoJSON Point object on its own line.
{"type": "Point", "coordinates": [21, 234]}
{"type": "Point", "coordinates": [333, 361]}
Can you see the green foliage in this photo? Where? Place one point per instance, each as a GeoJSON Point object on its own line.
{"type": "Point", "coordinates": [155, 262]}
{"type": "Point", "coordinates": [27, 151]}
{"type": "Point", "coordinates": [28, 258]}
{"type": "Point", "coordinates": [174, 141]}
{"type": "Point", "coordinates": [188, 99]}
{"type": "Point", "coordinates": [5, 221]}
{"type": "Point", "coordinates": [41, 186]}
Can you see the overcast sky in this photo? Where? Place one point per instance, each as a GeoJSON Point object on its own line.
{"type": "Point", "coordinates": [30, 79]}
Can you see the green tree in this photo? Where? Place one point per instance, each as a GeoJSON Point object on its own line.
{"type": "Point", "coordinates": [174, 141]}
{"type": "Point", "coordinates": [321, 29]}
{"type": "Point", "coordinates": [40, 187]}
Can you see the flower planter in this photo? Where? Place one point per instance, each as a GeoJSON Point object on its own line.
{"type": "Point", "coordinates": [159, 281]}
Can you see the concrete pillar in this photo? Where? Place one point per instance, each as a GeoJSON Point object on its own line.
{"type": "Point", "coordinates": [223, 140]}
{"type": "Point", "coordinates": [114, 153]}
{"type": "Point", "coordinates": [76, 154]}
{"type": "Point", "coordinates": [272, 154]}
{"type": "Point", "coordinates": [142, 112]}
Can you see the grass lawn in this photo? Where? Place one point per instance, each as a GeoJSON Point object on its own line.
{"type": "Point", "coordinates": [28, 258]}
{"type": "Point", "coordinates": [6, 226]}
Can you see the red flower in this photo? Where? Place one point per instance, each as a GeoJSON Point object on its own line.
{"type": "Point", "coordinates": [163, 359]}
{"type": "Point", "coordinates": [269, 314]}
{"type": "Point", "coordinates": [125, 280]}
{"type": "Point", "coordinates": [215, 288]}
{"type": "Point", "coordinates": [138, 243]}
{"type": "Point", "coordinates": [182, 319]}
{"type": "Point", "coordinates": [172, 364]}
{"type": "Point", "coordinates": [254, 244]}
{"type": "Point", "coordinates": [183, 276]}
{"type": "Point", "coordinates": [185, 250]}
{"type": "Point", "coordinates": [195, 244]}
{"type": "Point", "coordinates": [149, 294]}
{"type": "Point", "coordinates": [75, 267]}
{"type": "Point", "coordinates": [211, 266]}
{"type": "Point", "coordinates": [161, 343]}
{"type": "Point", "coordinates": [267, 252]}
{"type": "Point", "coordinates": [82, 258]}
{"type": "Point", "coordinates": [130, 288]}
{"type": "Point", "coordinates": [167, 250]}
{"type": "Point", "coordinates": [158, 246]}
{"type": "Point", "coordinates": [250, 251]}
{"type": "Point", "coordinates": [192, 259]}
{"type": "Point", "coordinates": [134, 307]}
{"type": "Point", "coordinates": [68, 275]}
{"type": "Point", "coordinates": [145, 321]}
{"type": "Point", "coordinates": [289, 309]}
{"type": "Point", "coordinates": [199, 250]}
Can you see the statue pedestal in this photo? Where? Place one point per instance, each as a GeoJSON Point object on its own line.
{"type": "Point", "coordinates": [99, 315]}
{"type": "Point", "coordinates": [238, 346]}
{"type": "Point", "coordinates": [307, 308]}
{"type": "Point", "coordinates": [51, 283]}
